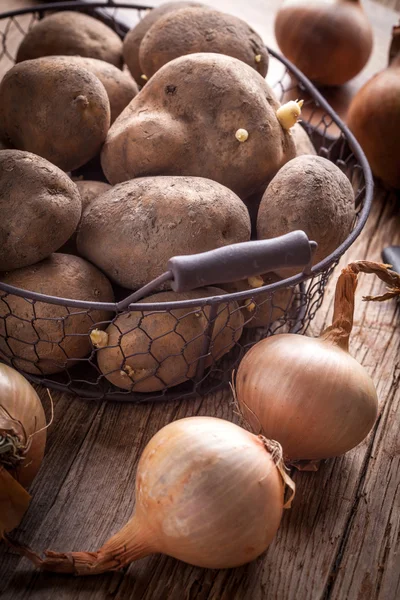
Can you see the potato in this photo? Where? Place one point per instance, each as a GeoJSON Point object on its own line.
{"type": "Point", "coordinates": [88, 190]}
{"type": "Point", "coordinates": [147, 350]}
{"type": "Point", "coordinates": [188, 120]}
{"type": "Point", "coordinates": [261, 310]}
{"type": "Point", "coordinates": [56, 110]}
{"type": "Point", "coordinates": [43, 337]}
{"type": "Point", "coordinates": [73, 34]}
{"type": "Point", "coordinates": [201, 29]}
{"type": "Point", "coordinates": [312, 194]}
{"type": "Point", "coordinates": [40, 208]}
{"type": "Point", "coordinates": [134, 37]}
{"type": "Point", "coordinates": [131, 231]}
{"type": "Point", "coordinates": [119, 86]}
{"type": "Point", "coordinates": [302, 141]}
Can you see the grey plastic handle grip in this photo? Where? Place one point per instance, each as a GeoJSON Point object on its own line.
{"type": "Point", "coordinates": [239, 261]}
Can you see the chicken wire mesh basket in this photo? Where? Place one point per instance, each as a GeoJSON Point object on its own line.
{"type": "Point", "coordinates": [158, 351]}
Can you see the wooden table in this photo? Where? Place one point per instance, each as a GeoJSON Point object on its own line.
{"type": "Point", "coordinates": [340, 540]}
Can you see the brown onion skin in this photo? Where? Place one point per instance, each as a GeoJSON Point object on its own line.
{"type": "Point", "coordinates": [208, 493]}
{"type": "Point", "coordinates": [330, 41]}
{"type": "Point", "coordinates": [374, 118]}
{"type": "Point", "coordinates": [308, 394]}
{"type": "Point", "coordinates": [20, 400]}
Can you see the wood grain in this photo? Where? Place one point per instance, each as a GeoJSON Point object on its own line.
{"type": "Point", "coordinates": [339, 541]}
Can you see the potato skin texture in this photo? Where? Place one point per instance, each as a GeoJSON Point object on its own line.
{"type": "Point", "coordinates": [88, 190]}
{"type": "Point", "coordinates": [120, 86]}
{"type": "Point", "coordinates": [261, 311]}
{"type": "Point", "coordinates": [195, 29]}
{"type": "Point", "coordinates": [163, 349]}
{"type": "Point", "coordinates": [71, 33]}
{"type": "Point", "coordinates": [131, 231]}
{"type": "Point", "coordinates": [302, 141]}
{"type": "Point", "coordinates": [40, 208]}
{"type": "Point", "coordinates": [67, 128]}
{"type": "Point", "coordinates": [184, 122]}
{"type": "Point", "coordinates": [312, 194]}
{"type": "Point", "coordinates": [58, 275]}
{"type": "Point", "coordinates": [134, 37]}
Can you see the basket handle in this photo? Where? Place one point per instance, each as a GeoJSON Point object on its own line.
{"type": "Point", "coordinates": [231, 263]}
{"type": "Point", "coordinates": [239, 261]}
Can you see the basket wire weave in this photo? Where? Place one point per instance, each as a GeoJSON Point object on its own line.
{"type": "Point", "coordinates": [289, 305]}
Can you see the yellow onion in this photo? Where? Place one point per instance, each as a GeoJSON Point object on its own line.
{"type": "Point", "coordinates": [22, 443]}
{"type": "Point", "coordinates": [207, 492]}
{"type": "Point", "coordinates": [309, 394]}
{"type": "Point", "coordinates": [329, 40]}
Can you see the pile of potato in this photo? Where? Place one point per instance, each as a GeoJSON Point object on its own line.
{"type": "Point", "coordinates": [201, 157]}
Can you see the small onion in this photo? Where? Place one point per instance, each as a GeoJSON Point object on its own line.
{"type": "Point", "coordinates": [309, 394]}
{"type": "Point", "coordinates": [22, 443]}
{"type": "Point", "coordinates": [329, 40]}
{"type": "Point", "coordinates": [207, 492]}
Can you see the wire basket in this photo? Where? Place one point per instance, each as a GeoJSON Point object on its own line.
{"type": "Point", "coordinates": [159, 351]}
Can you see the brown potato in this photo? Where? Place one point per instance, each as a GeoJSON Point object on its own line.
{"type": "Point", "coordinates": [46, 338]}
{"type": "Point", "coordinates": [134, 37]}
{"type": "Point", "coordinates": [188, 120]}
{"type": "Point", "coordinates": [131, 231]}
{"type": "Point", "coordinates": [56, 110]}
{"type": "Point", "coordinates": [201, 29]}
{"type": "Point", "coordinates": [312, 194]}
{"type": "Point", "coordinates": [119, 86]}
{"type": "Point", "coordinates": [88, 190]}
{"type": "Point", "coordinates": [303, 143]}
{"type": "Point", "coordinates": [71, 33]}
{"type": "Point", "coordinates": [40, 208]}
{"type": "Point", "coordinates": [263, 309]}
{"type": "Point", "coordinates": [147, 350]}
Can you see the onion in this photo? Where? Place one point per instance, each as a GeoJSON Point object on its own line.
{"type": "Point", "coordinates": [329, 40]}
{"type": "Point", "coordinates": [309, 394]}
{"type": "Point", "coordinates": [374, 118]}
{"type": "Point", "coordinates": [207, 492]}
{"type": "Point", "coordinates": [22, 442]}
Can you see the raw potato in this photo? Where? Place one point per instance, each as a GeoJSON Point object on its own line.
{"type": "Point", "coordinates": [263, 309]}
{"type": "Point", "coordinates": [40, 208]}
{"type": "Point", "coordinates": [148, 351]}
{"type": "Point", "coordinates": [56, 110]}
{"type": "Point", "coordinates": [134, 37]}
{"type": "Point", "coordinates": [201, 29]}
{"type": "Point", "coordinates": [131, 231]}
{"type": "Point", "coordinates": [312, 194]}
{"type": "Point", "coordinates": [119, 86]}
{"type": "Point", "coordinates": [88, 190]}
{"type": "Point", "coordinates": [71, 33]}
{"type": "Point", "coordinates": [40, 335]}
{"type": "Point", "coordinates": [302, 141]}
{"type": "Point", "coordinates": [186, 119]}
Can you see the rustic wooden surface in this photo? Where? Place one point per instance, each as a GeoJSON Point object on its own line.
{"type": "Point", "coordinates": [341, 538]}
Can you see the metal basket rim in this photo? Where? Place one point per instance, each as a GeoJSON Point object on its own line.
{"type": "Point", "coordinates": [320, 267]}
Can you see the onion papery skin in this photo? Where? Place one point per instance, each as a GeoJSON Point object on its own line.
{"type": "Point", "coordinates": [374, 118]}
{"type": "Point", "coordinates": [215, 498]}
{"type": "Point", "coordinates": [308, 394]}
{"type": "Point", "coordinates": [20, 400]}
{"type": "Point", "coordinates": [208, 493]}
{"type": "Point", "coordinates": [330, 41]}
